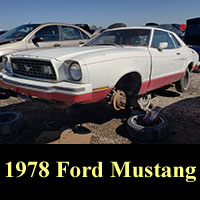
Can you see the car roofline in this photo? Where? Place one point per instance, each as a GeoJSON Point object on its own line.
{"type": "Point", "coordinates": [65, 24]}
{"type": "Point", "coordinates": [140, 27]}
{"type": "Point", "coordinates": [60, 23]}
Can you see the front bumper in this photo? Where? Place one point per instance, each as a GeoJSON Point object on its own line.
{"type": "Point", "coordinates": [61, 91]}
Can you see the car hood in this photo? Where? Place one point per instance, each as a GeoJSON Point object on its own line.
{"type": "Point", "coordinates": [64, 53]}
{"type": "Point", "coordinates": [7, 41]}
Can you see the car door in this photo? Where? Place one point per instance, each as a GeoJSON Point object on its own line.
{"type": "Point", "coordinates": [72, 36]}
{"type": "Point", "coordinates": [166, 63]}
{"type": "Point", "coordinates": [181, 52]}
{"type": "Point", "coordinates": [46, 37]}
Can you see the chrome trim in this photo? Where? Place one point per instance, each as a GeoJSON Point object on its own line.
{"type": "Point", "coordinates": [31, 69]}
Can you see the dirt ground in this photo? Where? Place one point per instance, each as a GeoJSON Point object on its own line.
{"type": "Point", "coordinates": [43, 123]}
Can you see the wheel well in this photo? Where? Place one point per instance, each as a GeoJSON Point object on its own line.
{"type": "Point", "coordinates": [190, 66]}
{"type": "Point", "coordinates": [130, 83]}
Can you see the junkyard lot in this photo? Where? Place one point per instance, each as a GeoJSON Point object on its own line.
{"type": "Point", "coordinates": [98, 123]}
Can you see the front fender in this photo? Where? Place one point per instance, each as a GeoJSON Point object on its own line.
{"type": "Point", "coordinates": [126, 72]}
{"type": "Point", "coordinates": [7, 52]}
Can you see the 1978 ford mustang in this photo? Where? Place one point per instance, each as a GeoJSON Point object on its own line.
{"type": "Point", "coordinates": [122, 65]}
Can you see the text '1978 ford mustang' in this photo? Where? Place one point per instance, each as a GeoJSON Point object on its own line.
{"type": "Point", "coordinates": [122, 65]}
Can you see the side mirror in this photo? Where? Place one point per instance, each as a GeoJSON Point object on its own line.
{"type": "Point", "coordinates": [37, 39]}
{"type": "Point", "coordinates": [163, 45]}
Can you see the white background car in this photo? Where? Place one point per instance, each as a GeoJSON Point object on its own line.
{"type": "Point", "coordinates": [123, 65]}
{"type": "Point", "coordinates": [34, 36]}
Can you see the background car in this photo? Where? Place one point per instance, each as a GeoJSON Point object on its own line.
{"type": "Point", "coordinates": [176, 28]}
{"type": "Point", "coordinates": [151, 24]}
{"type": "Point", "coordinates": [172, 28]}
{"type": "Point", "coordinates": [34, 36]}
{"type": "Point", "coordinates": [84, 27]}
{"type": "Point", "coordinates": [2, 32]}
{"type": "Point", "coordinates": [192, 34]}
{"type": "Point", "coordinates": [117, 25]}
{"type": "Point", "coordinates": [112, 26]}
{"type": "Point", "coordinates": [180, 26]}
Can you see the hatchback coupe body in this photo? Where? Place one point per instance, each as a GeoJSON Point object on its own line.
{"type": "Point", "coordinates": [121, 65]}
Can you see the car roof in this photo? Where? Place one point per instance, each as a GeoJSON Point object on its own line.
{"type": "Point", "coordinates": [193, 21]}
{"type": "Point", "coordinates": [140, 27]}
{"type": "Point", "coordinates": [53, 23]}
{"type": "Point", "coordinates": [56, 23]}
{"type": "Point", "coordinates": [64, 24]}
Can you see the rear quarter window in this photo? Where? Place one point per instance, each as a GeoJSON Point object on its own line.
{"type": "Point", "coordinates": [177, 43]}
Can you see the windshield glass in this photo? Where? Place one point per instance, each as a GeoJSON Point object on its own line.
{"type": "Point", "coordinates": [19, 32]}
{"type": "Point", "coordinates": [130, 37]}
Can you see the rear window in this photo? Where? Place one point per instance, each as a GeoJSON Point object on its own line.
{"type": "Point", "coordinates": [177, 43]}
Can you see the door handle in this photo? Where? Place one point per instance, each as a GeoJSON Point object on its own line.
{"type": "Point", "coordinates": [81, 43]}
{"type": "Point", "coordinates": [178, 53]}
{"type": "Point", "coordinates": [56, 45]}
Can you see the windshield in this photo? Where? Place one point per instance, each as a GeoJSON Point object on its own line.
{"type": "Point", "coordinates": [19, 32]}
{"type": "Point", "coordinates": [130, 37]}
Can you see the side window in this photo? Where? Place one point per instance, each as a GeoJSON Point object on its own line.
{"type": "Point", "coordinates": [70, 33]}
{"type": "Point", "coordinates": [177, 43]}
{"type": "Point", "coordinates": [48, 33]}
{"type": "Point", "coordinates": [161, 36]}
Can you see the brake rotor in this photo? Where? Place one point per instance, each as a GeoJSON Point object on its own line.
{"type": "Point", "coordinates": [119, 100]}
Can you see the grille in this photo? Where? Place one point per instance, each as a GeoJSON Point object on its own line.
{"type": "Point", "coordinates": [33, 68]}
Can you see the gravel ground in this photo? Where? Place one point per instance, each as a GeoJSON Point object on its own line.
{"type": "Point", "coordinates": [182, 111]}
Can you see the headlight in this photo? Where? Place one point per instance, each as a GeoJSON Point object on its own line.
{"type": "Point", "coordinates": [75, 71]}
{"type": "Point", "coordinates": [6, 64]}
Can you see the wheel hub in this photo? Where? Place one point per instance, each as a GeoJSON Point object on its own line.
{"type": "Point", "coordinates": [119, 100]}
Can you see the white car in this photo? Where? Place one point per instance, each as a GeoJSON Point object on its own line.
{"type": "Point", "coordinates": [121, 65]}
{"type": "Point", "coordinates": [33, 36]}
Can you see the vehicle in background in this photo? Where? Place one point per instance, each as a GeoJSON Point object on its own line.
{"type": "Point", "coordinates": [151, 24]}
{"type": "Point", "coordinates": [96, 31]}
{"type": "Point", "coordinates": [117, 25]}
{"type": "Point", "coordinates": [92, 31]}
{"type": "Point", "coordinates": [84, 27]}
{"type": "Point", "coordinates": [34, 36]}
{"type": "Point", "coordinates": [122, 66]}
{"type": "Point", "coordinates": [180, 26]}
{"type": "Point", "coordinates": [192, 34]}
{"type": "Point", "coordinates": [112, 26]}
{"type": "Point", "coordinates": [2, 32]}
{"type": "Point", "coordinates": [171, 27]}
{"type": "Point", "coordinates": [176, 28]}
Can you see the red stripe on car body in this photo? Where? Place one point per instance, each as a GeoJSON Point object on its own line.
{"type": "Point", "coordinates": [94, 96]}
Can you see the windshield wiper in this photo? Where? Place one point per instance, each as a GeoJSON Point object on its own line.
{"type": "Point", "coordinates": [110, 44]}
